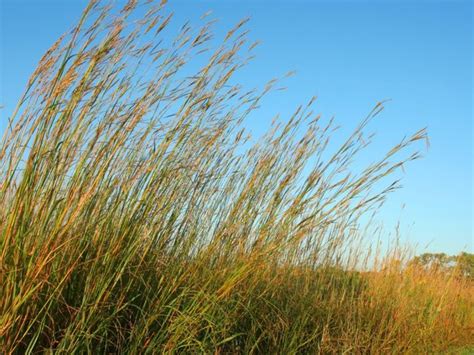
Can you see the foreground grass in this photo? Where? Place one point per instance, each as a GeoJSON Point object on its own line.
{"type": "Point", "coordinates": [137, 217]}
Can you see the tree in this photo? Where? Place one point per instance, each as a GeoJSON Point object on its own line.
{"type": "Point", "coordinates": [462, 263]}
{"type": "Point", "coordinates": [465, 264]}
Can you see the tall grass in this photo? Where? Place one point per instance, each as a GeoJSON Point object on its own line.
{"type": "Point", "coordinates": [138, 216]}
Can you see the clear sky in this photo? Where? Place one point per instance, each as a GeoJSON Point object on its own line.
{"type": "Point", "coordinates": [351, 54]}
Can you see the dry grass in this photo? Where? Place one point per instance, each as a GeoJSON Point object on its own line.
{"type": "Point", "coordinates": [137, 216]}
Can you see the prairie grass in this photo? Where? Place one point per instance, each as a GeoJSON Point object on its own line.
{"type": "Point", "coordinates": [138, 216]}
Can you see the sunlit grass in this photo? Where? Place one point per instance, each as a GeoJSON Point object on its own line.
{"type": "Point", "coordinates": [138, 216]}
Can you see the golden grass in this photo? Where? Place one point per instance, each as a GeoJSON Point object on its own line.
{"type": "Point", "coordinates": [138, 217]}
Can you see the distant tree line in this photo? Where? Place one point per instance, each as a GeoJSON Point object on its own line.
{"type": "Point", "coordinates": [462, 263]}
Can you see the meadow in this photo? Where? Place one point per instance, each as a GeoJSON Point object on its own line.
{"type": "Point", "coordinates": [139, 216]}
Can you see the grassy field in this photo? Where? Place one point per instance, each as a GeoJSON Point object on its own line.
{"type": "Point", "coordinates": [138, 216]}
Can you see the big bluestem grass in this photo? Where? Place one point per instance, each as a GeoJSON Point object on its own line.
{"type": "Point", "coordinates": [138, 216]}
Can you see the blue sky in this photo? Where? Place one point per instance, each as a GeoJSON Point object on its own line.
{"type": "Point", "coordinates": [351, 54]}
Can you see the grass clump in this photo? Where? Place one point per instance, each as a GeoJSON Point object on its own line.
{"type": "Point", "coordinates": [138, 217]}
